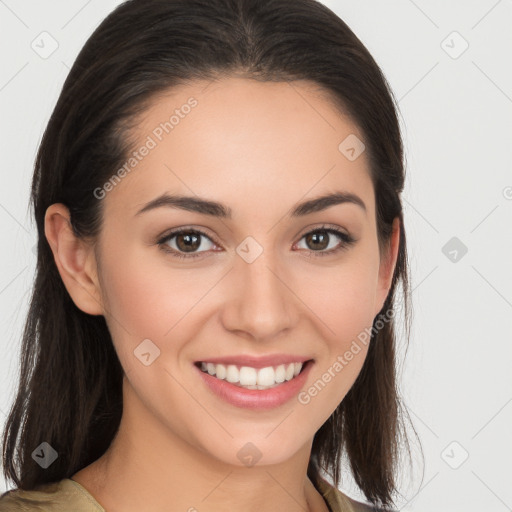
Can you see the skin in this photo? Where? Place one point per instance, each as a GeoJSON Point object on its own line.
{"type": "Point", "coordinates": [259, 148]}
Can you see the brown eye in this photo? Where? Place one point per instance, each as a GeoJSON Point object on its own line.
{"type": "Point", "coordinates": [186, 243]}
{"type": "Point", "coordinates": [321, 239]}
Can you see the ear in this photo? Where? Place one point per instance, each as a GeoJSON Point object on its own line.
{"type": "Point", "coordinates": [387, 265]}
{"type": "Point", "coordinates": [75, 260]}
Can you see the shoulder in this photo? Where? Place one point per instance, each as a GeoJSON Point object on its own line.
{"type": "Point", "coordinates": [340, 502]}
{"type": "Point", "coordinates": [60, 496]}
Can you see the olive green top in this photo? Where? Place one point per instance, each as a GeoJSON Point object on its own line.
{"type": "Point", "coordinates": [67, 495]}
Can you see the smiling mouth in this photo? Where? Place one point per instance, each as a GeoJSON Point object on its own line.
{"type": "Point", "coordinates": [254, 378]}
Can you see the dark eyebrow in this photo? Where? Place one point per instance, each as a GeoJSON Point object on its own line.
{"type": "Point", "coordinates": [215, 209]}
{"type": "Point", "coordinates": [323, 202]}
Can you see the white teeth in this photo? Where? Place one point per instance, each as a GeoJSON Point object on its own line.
{"type": "Point", "coordinates": [253, 378]}
{"type": "Point", "coordinates": [247, 376]}
{"type": "Point", "coordinates": [280, 373]}
{"type": "Point", "coordinates": [266, 376]}
{"type": "Point", "coordinates": [220, 371]}
{"type": "Point", "coordinates": [232, 373]}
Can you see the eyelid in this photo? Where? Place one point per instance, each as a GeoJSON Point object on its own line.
{"type": "Point", "coordinates": [187, 229]}
{"type": "Point", "coordinates": [323, 226]}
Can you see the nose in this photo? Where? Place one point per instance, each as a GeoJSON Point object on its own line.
{"type": "Point", "coordinates": [261, 304]}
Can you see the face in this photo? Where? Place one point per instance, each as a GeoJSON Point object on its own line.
{"type": "Point", "coordinates": [265, 279]}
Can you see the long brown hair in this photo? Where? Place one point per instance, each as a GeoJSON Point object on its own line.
{"type": "Point", "coordinates": [70, 392]}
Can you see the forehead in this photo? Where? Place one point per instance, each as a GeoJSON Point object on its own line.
{"type": "Point", "coordinates": [252, 145]}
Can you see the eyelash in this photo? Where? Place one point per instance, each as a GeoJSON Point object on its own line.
{"type": "Point", "coordinates": [346, 241]}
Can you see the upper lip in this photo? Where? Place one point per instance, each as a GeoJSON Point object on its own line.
{"type": "Point", "coordinates": [256, 361]}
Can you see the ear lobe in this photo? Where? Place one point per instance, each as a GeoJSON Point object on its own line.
{"type": "Point", "coordinates": [75, 260]}
{"type": "Point", "coordinates": [387, 265]}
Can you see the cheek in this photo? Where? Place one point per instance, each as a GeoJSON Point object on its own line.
{"type": "Point", "coordinates": [136, 295]}
{"type": "Point", "coordinates": [342, 301]}
{"type": "Point", "coordinates": [342, 297]}
{"type": "Point", "coordinates": [146, 298]}
{"type": "Point", "coordinates": [141, 302]}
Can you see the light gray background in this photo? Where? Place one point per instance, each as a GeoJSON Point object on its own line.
{"type": "Point", "coordinates": [456, 119]}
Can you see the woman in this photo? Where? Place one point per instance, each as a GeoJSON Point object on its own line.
{"type": "Point", "coordinates": [217, 197]}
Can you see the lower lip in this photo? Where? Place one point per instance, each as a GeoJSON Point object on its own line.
{"type": "Point", "coordinates": [257, 398]}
